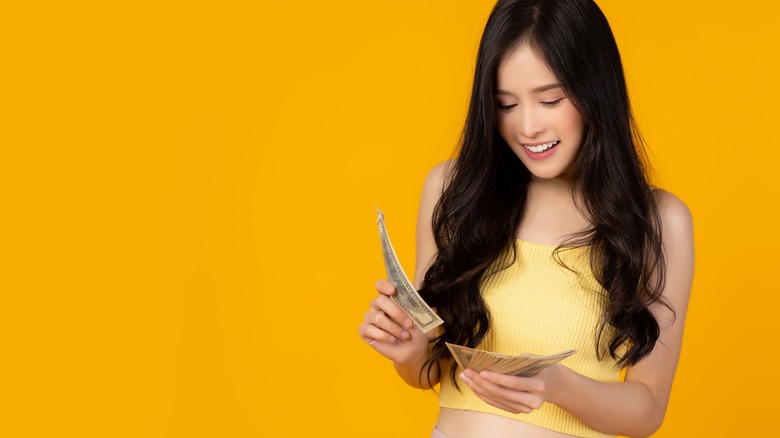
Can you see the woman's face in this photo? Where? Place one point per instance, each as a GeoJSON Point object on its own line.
{"type": "Point", "coordinates": [535, 117]}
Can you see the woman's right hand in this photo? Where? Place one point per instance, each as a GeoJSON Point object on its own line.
{"type": "Point", "coordinates": [388, 329]}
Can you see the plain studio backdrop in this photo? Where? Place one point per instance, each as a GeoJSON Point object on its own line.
{"type": "Point", "coordinates": [188, 194]}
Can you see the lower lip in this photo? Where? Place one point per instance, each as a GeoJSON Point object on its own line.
{"type": "Point", "coordinates": [541, 155]}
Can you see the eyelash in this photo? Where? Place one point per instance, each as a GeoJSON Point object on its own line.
{"type": "Point", "coordinates": [551, 104]}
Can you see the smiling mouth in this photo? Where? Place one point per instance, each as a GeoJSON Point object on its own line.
{"type": "Point", "coordinates": [542, 147]}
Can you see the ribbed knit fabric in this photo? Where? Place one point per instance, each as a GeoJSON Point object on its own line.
{"type": "Point", "coordinates": [539, 307]}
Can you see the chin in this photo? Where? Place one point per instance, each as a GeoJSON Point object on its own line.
{"type": "Point", "coordinates": [545, 174]}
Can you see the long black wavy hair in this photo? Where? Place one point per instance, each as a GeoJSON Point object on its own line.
{"type": "Point", "coordinates": [477, 217]}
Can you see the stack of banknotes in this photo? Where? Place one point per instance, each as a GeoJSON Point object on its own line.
{"type": "Point", "coordinates": [524, 365]}
{"type": "Point", "coordinates": [426, 319]}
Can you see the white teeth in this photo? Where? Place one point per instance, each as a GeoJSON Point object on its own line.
{"type": "Point", "coordinates": [541, 147]}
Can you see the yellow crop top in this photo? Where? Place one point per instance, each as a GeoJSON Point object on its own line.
{"type": "Point", "coordinates": [539, 307]}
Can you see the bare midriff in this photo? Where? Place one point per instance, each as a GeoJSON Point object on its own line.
{"type": "Point", "coordinates": [456, 423]}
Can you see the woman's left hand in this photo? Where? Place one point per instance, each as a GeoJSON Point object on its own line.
{"type": "Point", "coordinates": [511, 393]}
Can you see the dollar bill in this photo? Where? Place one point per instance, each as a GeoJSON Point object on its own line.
{"type": "Point", "coordinates": [406, 295]}
{"type": "Point", "coordinates": [462, 357]}
{"type": "Point", "coordinates": [524, 365]}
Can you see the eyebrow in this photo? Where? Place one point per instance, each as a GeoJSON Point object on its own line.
{"type": "Point", "coordinates": [541, 89]}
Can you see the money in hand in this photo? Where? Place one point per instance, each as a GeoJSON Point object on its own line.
{"type": "Point", "coordinates": [406, 295]}
{"type": "Point", "coordinates": [524, 365]}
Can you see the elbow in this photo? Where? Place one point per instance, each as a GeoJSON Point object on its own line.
{"type": "Point", "coordinates": [648, 415]}
{"type": "Point", "coordinates": [417, 378]}
{"type": "Point", "coordinates": [416, 383]}
{"type": "Point", "coordinates": [655, 412]}
{"type": "Point", "coordinates": [424, 385]}
{"type": "Point", "coordinates": [650, 425]}
{"type": "Point", "coordinates": [648, 430]}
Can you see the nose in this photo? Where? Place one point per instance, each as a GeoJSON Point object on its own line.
{"type": "Point", "coordinates": [529, 124]}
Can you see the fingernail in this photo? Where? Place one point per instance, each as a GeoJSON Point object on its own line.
{"type": "Point", "coordinates": [484, 374]}
{"type": "Point", "coordinates": [407, 323]}
{"type": "Point", "coordinates": [405, 335]}
{"type": "Point", "coordinates": [390, 339]}
{"type": "Point", "coordinates": [463, 377]}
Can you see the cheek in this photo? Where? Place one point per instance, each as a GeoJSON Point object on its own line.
{"type": "Point", "coordinates": [503, 127]}
{"type": "Point", "coordinates": [572, 121]}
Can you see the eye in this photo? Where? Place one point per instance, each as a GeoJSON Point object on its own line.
{"type": "Point", "coordinates": [553, 103]}
{"type": "Point", "coordinates": [506, 108]}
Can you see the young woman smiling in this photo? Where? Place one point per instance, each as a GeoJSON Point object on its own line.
{"type": "Point", "coordinates": [545, 235]}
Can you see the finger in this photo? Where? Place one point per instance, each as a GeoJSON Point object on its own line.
{"type": "Point", "coordinates": [528, 391]}
{"type": "Point", "coordinates": [515, 408]}
{"type": "Point", "coordinates": [493, 401]}
{"type": "Point", "coordinates": [371, 334]}
{"type": "Point", "coordinates": [514, 397]}
{"type": "Point", "coordinates": [385, 287]}
{"type": "Point", "coordinates": [528, 384]}
{"type": "Point", "coordinates": [478, 385]}
{"type": "Point", "coordinates": [393, 311]}
{"type": "Point", "coordinates": [380, 319]}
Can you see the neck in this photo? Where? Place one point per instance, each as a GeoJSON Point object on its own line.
{"type": "Point", "coordinates": [555, 190]}
{"type": "Point", "coordinates": [551, 185]}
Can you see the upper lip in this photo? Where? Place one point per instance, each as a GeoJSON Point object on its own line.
{"type": "Point", "coordinates": [537, 144]}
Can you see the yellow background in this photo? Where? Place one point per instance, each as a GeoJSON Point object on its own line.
{"type": "Point", "coordinates": [188, 193]}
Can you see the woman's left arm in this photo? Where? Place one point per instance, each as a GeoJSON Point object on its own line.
{"type": "Point", "coordinates": [636, 406]}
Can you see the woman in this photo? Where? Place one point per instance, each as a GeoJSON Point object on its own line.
{"type": "Point", "coordinates": [545, 235]}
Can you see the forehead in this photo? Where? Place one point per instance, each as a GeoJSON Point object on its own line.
{"type": "Point", "coordinates": [522, 69]}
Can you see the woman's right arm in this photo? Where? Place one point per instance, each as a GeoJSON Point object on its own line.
{"type": "Point", "coordinates": [386, 327]}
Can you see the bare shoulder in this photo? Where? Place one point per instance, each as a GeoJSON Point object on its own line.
{"type": "Point", "coordinates": [435, 183]}
{"type": "Point", "coordinates": [677, 237]}
{"type": "Point", "coordinates": [676, 218]}
{"type": "Point", "coordinates": [437, 178]}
